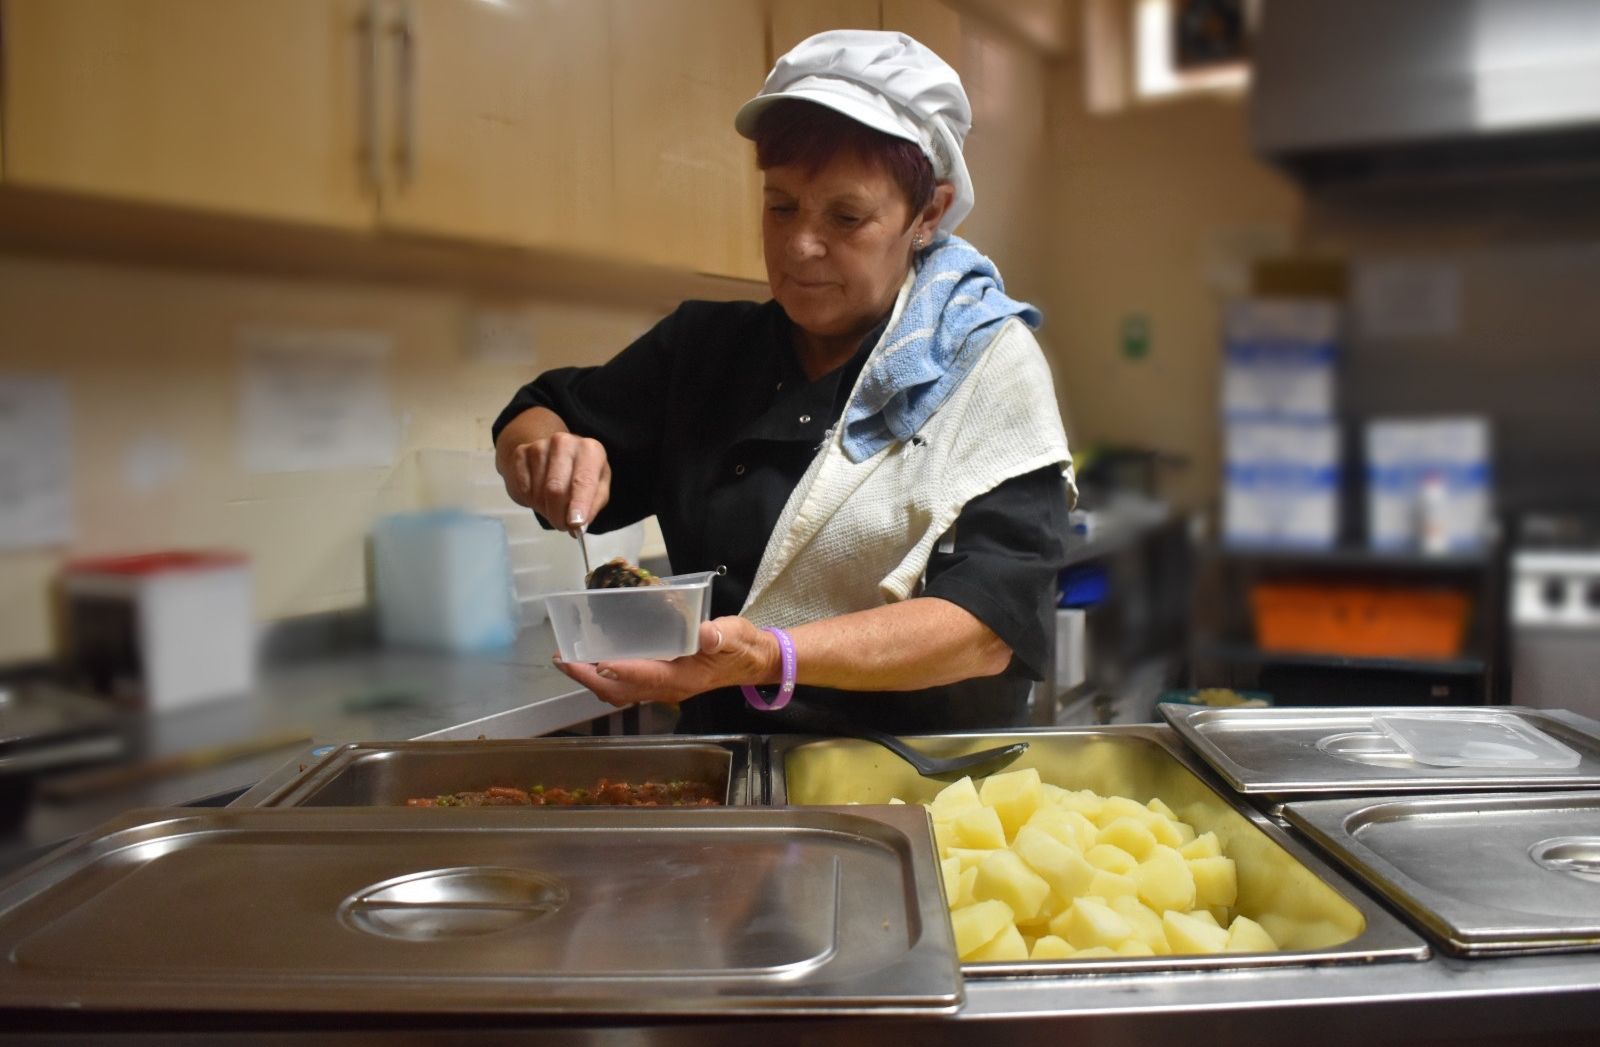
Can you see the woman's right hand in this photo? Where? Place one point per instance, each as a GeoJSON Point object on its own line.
{"type": "Point", "coordinates": [564, 478]}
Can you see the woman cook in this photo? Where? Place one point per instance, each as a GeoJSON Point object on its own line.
{"type": "Point", "coordinates": [874, 457]}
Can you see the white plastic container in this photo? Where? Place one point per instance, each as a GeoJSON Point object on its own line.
{"type": "Point", "coordinates": [444, 582]}
{"type": "Point", "coordinates": [1475, 738]}
{"type": "Point", "coordinates": [651, 621]}
{"type": "Point", "coordinates": [163, 630]}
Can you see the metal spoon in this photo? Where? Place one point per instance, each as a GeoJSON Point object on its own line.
{"type": "Point", "coordinates": [583, 544]}
{"type": "Point", "coordinates": [944, 768]}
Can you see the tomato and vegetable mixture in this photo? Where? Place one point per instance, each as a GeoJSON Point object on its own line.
{"type": "Point", "coordinates": [605, 793]}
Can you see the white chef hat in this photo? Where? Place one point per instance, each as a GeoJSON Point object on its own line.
{"type": "Point", "coordinates": [888, 82]}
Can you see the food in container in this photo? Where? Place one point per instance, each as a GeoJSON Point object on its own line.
{"type": "Point", "coordinates": [1301, 903]}
{"type": "Point", "coordinates": [604, 793]}
{"type": "Point", "coordinates": [646, 621]}
{"type": "Point", "coordinates": [1035, 871]}
{"type": "Point", "coordinates": [618, 573]}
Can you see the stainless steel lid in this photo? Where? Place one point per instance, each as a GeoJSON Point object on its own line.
{"type": "Point", "coordinates": [708, 911]}
{"type": "Point", "coordinates": [1287, 752]}
{"type": "Point", "coordinates": [1487, 873]}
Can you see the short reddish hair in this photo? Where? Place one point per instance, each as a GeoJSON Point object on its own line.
{"type": "Point", "coordinates": [800, 134]}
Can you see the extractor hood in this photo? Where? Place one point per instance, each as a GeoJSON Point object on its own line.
{"type": "Point", "coordinates": [1379, 89]}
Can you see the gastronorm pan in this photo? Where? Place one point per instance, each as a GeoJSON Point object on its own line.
{"type": "Point", "coordinates": [1308, 907]}
{"type": "Point", "coordinates": [1486, 873]}
{"type": "Point", "coordinates": [367, 774]}
{"type": "Point", "coordinates": [721, 911]}
{"type": "Point", "coordinates": [1284, 752]}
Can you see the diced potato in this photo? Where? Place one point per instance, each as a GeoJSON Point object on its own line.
{"type": "Point", "coordinates": [1034, 870]}
{"type": "Point", "coordinates": [1130, 834]}
{"type": "Point", "coordinates": [1014, 796]}
{"type": "Point", "coordinates": [1063, 868]}
{"type": "Point", "coordinates": [1050, 947]}
{"type": "Point", "coordinates": [1245, 935]}
{"type": "Point", "coordinates": [1168, 832]}
{"type": "Point", "coordinates": [1005, 947]}
{"type": "Point", "coordinates": [1070, 827]}
{"type": "Point", "coordinates": [1111, 858]}
{"type": "Point", "coordinates": [950, 873]}
{"type": "Point", "coordinates": [969, 857]}
{"type": "Point", "coordinates": [1054, 905]}
{"type": "Point", "coordinates": [1006, 877]}
{"type": "Point", "coordinates": [1094, 952]}
{"type": "Point", "coordinates": [978, 924]}
{"type": "Point", "coordinates": [1085, 802]}
{"type": "Point", "coordinates": [1188, 935]}
{"type": "Point", "coordinates": [1090, 922]}
{"type": "Point", "coordinates": [955, 798]}
{"type": "Point", "coordinates": [969, 879]}
{"type": "Point", "coordinates": [1145, 921]}
{"type": "Point", "coordinates": [1216, 881]}
{"type": "Point", "coordinates": [1164, 882]}
{"type": "Point", "coordinates": [1203, 846]}
{"type": "Point", "coordinates": [944, 836]}
{"type": "Point", "coordinates": [1121, 807]}
{"type": "Point", "coordinates": [979, 827]}
{"type": "Point", "coordinates": [1109, 885]}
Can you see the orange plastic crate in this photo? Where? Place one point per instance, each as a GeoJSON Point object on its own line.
{"type": "Point", "coordinates": [1359, 621]}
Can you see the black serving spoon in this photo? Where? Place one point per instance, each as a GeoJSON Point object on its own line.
{"type": "Point", "coordinates": [815, 720]}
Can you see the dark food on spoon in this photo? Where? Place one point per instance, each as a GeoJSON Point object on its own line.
{"type": "Point", "coordinates": [619, 574]}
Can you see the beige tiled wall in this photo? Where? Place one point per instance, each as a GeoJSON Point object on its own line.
{"type": "Point", "coordinates": [151, 359]}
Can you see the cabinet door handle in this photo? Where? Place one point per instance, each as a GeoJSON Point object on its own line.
{"type": "Point", "coordinates": [371, 117]}
{"type": "Point", "coordinates": [405, 156]}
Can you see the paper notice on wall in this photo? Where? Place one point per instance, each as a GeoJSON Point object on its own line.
{"type": "Point", "coordinates": [1408, 299]}
{"type": "Point", "coordinates": [35, 462]}
{"type": "Point", "coordinates": [315, 400]}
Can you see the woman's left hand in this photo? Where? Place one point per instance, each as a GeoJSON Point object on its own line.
{"type": "Point", "coordinates": [732, 651]}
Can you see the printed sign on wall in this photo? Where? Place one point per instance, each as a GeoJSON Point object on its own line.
{"type": "Point", "coordinates": [315, 400]}
{"type": "Point", "coordinates": [35, 462]}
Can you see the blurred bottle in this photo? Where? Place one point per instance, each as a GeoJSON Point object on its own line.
{"type": "Point", "coordinates": [1433, 515]}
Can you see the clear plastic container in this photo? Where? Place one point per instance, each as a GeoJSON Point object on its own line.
{"type": "Point", "coordinates": [1475, 738]}
{"type": "Point", "coordinates": [651, 621]}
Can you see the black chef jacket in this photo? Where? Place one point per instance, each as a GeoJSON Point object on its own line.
{"type": "Point", "coordinates": [709, 423]}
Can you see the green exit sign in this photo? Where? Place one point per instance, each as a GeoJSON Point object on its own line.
{"type": "Point", "coordinates": [1136, 336]}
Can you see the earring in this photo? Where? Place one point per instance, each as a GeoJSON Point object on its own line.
{"type": "Point", "coordinates": [916, 241]}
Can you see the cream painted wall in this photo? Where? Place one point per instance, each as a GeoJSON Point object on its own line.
{"type": "Point", "coordinates": [1154, 209]}
{"type": "Point", "coordinates": [152, 356]}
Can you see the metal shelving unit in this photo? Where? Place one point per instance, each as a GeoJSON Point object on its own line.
{"type": "Point", "coordinates": [1226, 654]}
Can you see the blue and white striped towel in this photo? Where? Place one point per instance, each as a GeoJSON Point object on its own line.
{"type": "Point", "coordinates": [957, 305]}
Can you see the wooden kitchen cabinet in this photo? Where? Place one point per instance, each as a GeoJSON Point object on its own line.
{"type": "Point", "coordinates": [502, 123]}
{"type": "Point", "coordinates": [603, 128]}
{"type": "Point", "coordinates": [932, 23]}
{"type": "Point", "coordinates": [229, 105]}
{"type": "Point", "coordinates": [687, 189]}
{"type": "Point", "coordinates": [791, 21]}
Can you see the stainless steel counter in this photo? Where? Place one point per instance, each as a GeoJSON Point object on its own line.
{"type": "Point", "coordinates": [365, 695]}
{"type": "Point", "coordinates": [1528, 1000]}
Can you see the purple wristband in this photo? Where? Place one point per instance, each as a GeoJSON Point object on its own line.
{"type": "Point", "coordinates": [754, 698]}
